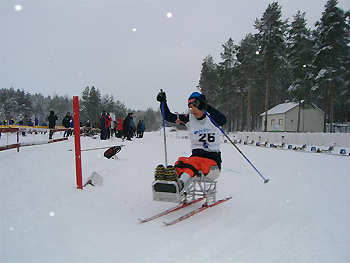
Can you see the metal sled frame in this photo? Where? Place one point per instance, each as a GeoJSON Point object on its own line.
{"type": "Point", "coordinates": [199, 186]}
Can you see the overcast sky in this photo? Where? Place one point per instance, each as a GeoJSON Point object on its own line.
{"type": "Point", "coordinates": [128, 49]}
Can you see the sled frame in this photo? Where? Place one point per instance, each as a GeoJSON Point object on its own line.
{"type": "Point", "coordinates": [201, 186]}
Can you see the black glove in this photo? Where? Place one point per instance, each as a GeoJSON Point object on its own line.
{"type": "Point", "coordinates": [203, 105]}
{"type": "Point", "coordinates": [161, 97]}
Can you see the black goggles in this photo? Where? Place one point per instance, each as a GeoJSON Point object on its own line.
{"type": "Point", "coordinates": [194, 102]}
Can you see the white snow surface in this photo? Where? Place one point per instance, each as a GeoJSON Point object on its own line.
{"type": "Point", "coordinates": [301, 215]}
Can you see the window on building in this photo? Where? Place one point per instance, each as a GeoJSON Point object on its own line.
{"type": "Point", "coordinates": [273, 122]}
{"type": "Point", "coordinates": [280, 121]}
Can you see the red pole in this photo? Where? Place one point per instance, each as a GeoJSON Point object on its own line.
{"type": "Point", "coordinates": [77, 142]}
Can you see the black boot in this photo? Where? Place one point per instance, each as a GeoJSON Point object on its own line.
{"type": "Point", "coordinates": [170, 173]}
{"type": "Point", "coordinates": [159, 173]}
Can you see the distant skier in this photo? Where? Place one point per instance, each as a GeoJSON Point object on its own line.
{"type": "Point", "coordinates": [205, 143]}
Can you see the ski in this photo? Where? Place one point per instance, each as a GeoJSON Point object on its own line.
{"type": "Point", "coordinates": [196, 211]}
{"type": "Point", "coordinates": [168, 211]}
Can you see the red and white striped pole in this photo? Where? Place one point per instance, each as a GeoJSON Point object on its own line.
{"type": "Point", "coordinates": [77, 142]}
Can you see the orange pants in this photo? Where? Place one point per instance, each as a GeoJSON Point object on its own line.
{"type": "Point", "coordinates": [191, 165]}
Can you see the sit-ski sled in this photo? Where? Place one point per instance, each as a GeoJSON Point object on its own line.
{"type": "Point", "coordinates": [199, 188]}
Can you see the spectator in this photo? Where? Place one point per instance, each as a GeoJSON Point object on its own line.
{"type": "Point", "coordinates": [138, 130]}
{"type": "Point", "coordinates": [112, 127]}
{"type": "Point", "coordinates": [36, 121]}
{"type": "Point", "coordinates": [108, 125]}
{"type": "Point", "coordinates": [120, 128]}
{"type": "Point", "coordinates": [128, 126]}
{"type": "Point", "coordinates": [30, 122]}
{"type": "Point", "coordinates": [52, 122]}
{"type": "Point", "coordinates": [25, 122]}
{"type": "Point", "coordinates": [143, 128]}
{"type": "Point", "coordinates": [104, 125]}
{"type": "Point", "coordinates": [66, 122]}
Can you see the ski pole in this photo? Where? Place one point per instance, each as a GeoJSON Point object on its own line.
{"type": "Point", "coordinates": [99, 148]}
{"type": "Point", "coordinates": [165, 150]}
{"type": "Point", "coordinates": [222, 131]}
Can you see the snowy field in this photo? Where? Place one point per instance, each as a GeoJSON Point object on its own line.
{"type": "Point", "coordinates": [301, 215]}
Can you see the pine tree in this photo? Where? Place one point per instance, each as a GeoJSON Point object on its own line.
{"type": "Point", "coordinates": [271, 36]}
{"type": "Point", "coordinates": [247, 57]}
{"type": "Point", "coordinates": [208, 81]}
{"type": "Point", "coordinates": [229, 98]}
{"type": "Point", "coordinates": [8, 102]}
{"type": "Point", "coordinates": [108, 103]}
{"type": "Point", "coordinates": [332, 56]}
{"type": "Point", "coordinates": [60, 105]}
{"type": "Point", "coordinates": [23, 102]}
{"type": "Point", "coordinates": [120, 109]}
{"type": "Point", "coordinates": [39, 103]}
{"type": "Point", "coordinates": [91, 103]}
{"type": "Point", "coordinates": [151, 119]}
{"type": "Point", "coordinates": [300, 57]}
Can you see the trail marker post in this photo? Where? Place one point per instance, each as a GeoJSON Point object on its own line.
{"type": "Point", "coordinates": [77, 142]}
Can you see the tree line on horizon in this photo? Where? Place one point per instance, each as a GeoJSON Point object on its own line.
{"type": "Point", "coordinates": [283, 61]}
{"type": "Point", "coordinates": [15, 104]}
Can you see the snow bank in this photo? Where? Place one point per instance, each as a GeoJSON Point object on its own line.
{"type": "Point", "coordinates": [310, 139]}
{"type": "Point", "coordinates": [301, 215]}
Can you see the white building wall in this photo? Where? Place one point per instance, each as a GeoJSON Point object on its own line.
{"type": "Point", "coordinates": [311, 120]}
{"type": "Point", "coordinates": [314, 120]}
{"type": "Point", "coordinates": [276, 126]}
{"type": "Point", "coordinates": [292, 120]}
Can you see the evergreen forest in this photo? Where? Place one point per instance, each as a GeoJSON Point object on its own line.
{"type": "Point", "coordinates": [283, 61]}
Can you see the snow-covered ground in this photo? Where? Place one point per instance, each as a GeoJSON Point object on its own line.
{"type": "Point", "coordinates": [301, 215]}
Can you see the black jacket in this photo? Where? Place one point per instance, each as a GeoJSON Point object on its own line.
{"type": "Point", "coordinates": [66, 121]}
{"type": "Point", "coordinates": [52, 120]}
{"type": "Point", "coordinates": [217, 116]}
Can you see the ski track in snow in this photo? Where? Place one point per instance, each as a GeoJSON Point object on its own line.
{"type": "Point", "coordinates": [301, 215]}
